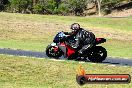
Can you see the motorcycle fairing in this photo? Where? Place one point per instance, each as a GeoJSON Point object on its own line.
{"type": "Point", "coordinates": [100, 40]}
{"type": "Point", "coordinates": [70, 51]}
{"type": "Point", "coordinates": [53, 44]}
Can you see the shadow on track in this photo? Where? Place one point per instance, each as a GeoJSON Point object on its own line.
{"type": "Point", "coordinates": [109, 60]}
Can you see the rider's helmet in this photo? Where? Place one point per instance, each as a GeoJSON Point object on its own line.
{"type": "Point", "coordinates": [75, 27]}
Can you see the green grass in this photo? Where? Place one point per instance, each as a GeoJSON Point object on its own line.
{"type": "Point", "coordinates": [35, 32]}
{"type": "Point", "coordinates": [118, 48]}
{"type": "Point", "coordinates": [27, 45]}
{"type": "Point", "coordinates": [18, 72]}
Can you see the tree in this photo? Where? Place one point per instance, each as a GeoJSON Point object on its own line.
{"type": "Point", "coordinates": [99, 6]}
{"type": "Point", "coordinates": [46, 6]}
{"type": "Point", "coordinates": [57, 3]}
{"type": "Point", "coordinates": [77, 6]}
{"type": "Point", "coordinates": [20, 5]}
{"type": "Point", "coordinates": [65, 7]}
{"type": "Point", "coordinates": [3, 3]}
{"type": "Point", "coordinates": [105, 5]}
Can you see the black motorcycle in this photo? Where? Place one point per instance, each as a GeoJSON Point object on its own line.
{"type": "Point", "coordinates": [94, 54]}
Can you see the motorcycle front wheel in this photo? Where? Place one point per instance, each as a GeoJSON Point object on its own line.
{"type": "Point", "coordinates": [53, 52]}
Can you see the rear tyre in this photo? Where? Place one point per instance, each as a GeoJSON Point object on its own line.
{"type": "Point", "coordinates": [97, 54]}
{"type": "Point", "coordinates": [53, 54]}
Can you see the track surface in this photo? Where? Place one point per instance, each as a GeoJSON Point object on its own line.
{"type": "Point", "coordinates": [109, 60]}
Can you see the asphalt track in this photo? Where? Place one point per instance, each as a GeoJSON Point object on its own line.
{"type": "Point", "coordinates": [109, 60]}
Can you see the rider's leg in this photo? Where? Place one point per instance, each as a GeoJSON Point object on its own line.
{"type": "Point", "coordinates": [84, 48]}
{"type": "Point", "coordinates": [89, 42]}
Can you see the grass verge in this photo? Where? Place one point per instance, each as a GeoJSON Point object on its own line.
{"type": "Point", "coordinates": [19, 72]}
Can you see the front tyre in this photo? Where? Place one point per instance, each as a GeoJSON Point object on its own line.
{"type": "Point", "coordinates": [53, 51]}
{"type": "Point", "coordinates": [97, 54]}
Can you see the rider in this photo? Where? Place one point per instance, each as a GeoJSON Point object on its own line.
{"type": "Point", "coordinates": [83, 40]}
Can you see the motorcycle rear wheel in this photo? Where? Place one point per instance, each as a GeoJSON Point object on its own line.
{"type": "Point", "coordinates": [97, 54]}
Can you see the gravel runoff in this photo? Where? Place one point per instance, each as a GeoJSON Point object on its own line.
{"type": "Point", "coordinates": [109, 60]}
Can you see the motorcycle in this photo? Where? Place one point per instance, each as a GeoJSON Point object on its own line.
{"type": "Point", "coordinates": [94, 54]}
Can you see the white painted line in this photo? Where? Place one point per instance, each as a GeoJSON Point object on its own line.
{"type": "Point", "coordinates": [112, 65]}
{"type": "Point", "coordinates": [81, 62]}
{"type": "Point", "coordinates": [56, 60]}
{"type": "Point", "coordinates": [21, 56]}
{"type": "Point", "coordinates": [125, 58]}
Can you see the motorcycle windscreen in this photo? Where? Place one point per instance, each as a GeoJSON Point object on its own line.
{"type": "Point", "coordinates": [58, 37]}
